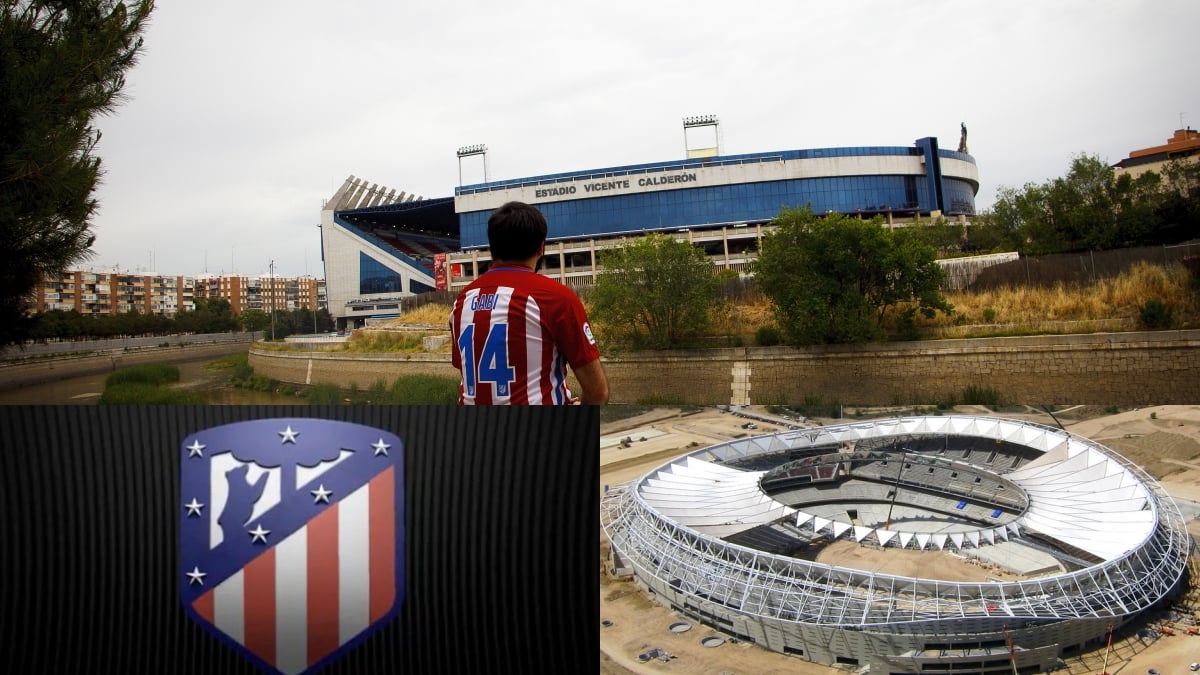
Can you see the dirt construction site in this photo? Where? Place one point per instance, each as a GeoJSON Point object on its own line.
{"type": "Point", "coordinates": [640, 636]}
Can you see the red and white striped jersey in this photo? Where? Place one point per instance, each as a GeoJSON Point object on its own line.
{"type": "Point", "coordinates": [515, 332]}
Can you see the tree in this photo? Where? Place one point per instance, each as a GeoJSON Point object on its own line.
{"type": "Point", "coordinates": [1092, 208]}
{"type": "Point", "coordinates": [1180, 209]}
{"type": "Point", "coordinates": [833, 279]}
{"type": "Point", "coordinates": [61, 64]}
{"type": "Point", "coordinates": [945, 236]}
{"type": "Point", "coordinates": [987, 233]}
{"type": "Point", "coordinates": [254, 320]}
{"type": "Point", "coordinates": [655, 292]}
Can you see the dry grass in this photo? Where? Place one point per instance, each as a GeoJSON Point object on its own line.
{"type": "Point", "coordinates": [743, 319]}
{"type": "Point", "coordinates": [1116, 298]}
{"type": "Point", "coordinates": [378, 341]}
{"type": "Point", "coordinates": [432, 314]}
{"type": "Point", "coordinates": [1108, 304]}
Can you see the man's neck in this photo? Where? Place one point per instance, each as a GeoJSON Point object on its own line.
{"type": "Point", "coordinates": [530, 264]}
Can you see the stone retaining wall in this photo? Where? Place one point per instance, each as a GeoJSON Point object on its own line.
{"type": "Point", "coordinates": [1140, 368]}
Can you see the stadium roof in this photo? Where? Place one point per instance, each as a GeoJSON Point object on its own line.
{"type": "Point", "coordinates": [1078, 494]}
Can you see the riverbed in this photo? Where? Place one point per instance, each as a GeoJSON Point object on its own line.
{"type": "Point", "coordinates": [194, 375]}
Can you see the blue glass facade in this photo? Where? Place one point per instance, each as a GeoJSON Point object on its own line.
{"type": "Point", "coordinates": [675, 209]}
{"type": "Point", "coordinates": [745, 202]}
{"type": "Point", "coordinates": [375, 277]}
{"type": "Point", "coordinates": [958, 197]}
{"type": "Point", "coordinates": [416, 288]}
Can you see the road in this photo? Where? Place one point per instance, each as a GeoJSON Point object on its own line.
{"type": "Point", "coordinates": [79, 346]}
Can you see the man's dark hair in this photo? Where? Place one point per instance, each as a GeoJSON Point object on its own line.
{"type": "Point", "coordinates": [515, 231]}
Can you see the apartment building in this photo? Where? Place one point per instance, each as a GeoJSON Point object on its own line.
{"type": "Point", "coordinates": [99, 293]}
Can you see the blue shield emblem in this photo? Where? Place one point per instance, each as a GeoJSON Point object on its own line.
{"type": "Point", "coordinates": [292, 537]}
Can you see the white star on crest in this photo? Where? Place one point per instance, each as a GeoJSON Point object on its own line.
{"type": "Point", "coordinates": [321, 494]}
{"type": "Point", "coordinates": [196, 576]}
{"type": "Point", "coordinates": [259, 534]}
{"type": "Point", "coordinates": [193, 507]}
{"type": "Point", "coordinates": [195, 448]}
{"type": "Point", "coordinates": [381, 448]}
{"type": "Point", "coordinates": [288, 435]}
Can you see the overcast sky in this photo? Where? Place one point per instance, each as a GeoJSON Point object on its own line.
{"type": "Point", "coordinates": [242, 117]}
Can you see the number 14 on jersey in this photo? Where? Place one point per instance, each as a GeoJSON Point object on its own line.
{"type": "Point", "coordinates": [492, 363]}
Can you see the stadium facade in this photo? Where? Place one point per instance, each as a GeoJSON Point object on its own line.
{"type": "Point", "coordinates": [1046, 541]}
{"type": "Point", "coordinates": [379, 245]}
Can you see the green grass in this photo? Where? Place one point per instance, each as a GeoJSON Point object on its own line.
{"type": "Point", "coordinates": [146, 384]}
{"type": "Point", "coordinates": [141, 393]}
{"type": "Point", "coordinates": [406, 390]}
{"type": "Point", "coordinates": [228, 362]}
{"type": "Point", "coordinates": [424, 390]}
{"type": "Point", "coordinates": [154, 374]}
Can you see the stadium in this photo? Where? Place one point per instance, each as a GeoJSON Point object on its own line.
{"type": "Point", "coordinates": [908, 545]}
{"type": "Point", "coordinates": [380, 245]}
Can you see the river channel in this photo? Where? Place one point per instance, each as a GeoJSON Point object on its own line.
{"type": "Point", "coordinates": [213, 384]}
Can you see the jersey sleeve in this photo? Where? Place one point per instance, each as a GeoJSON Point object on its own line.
{"type": "Point", "coordinates": [574, 332]}
{"type": "Point", "coordinates": [455, 318]}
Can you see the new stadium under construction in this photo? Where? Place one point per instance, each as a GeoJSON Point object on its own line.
{"type": "Point", "coordinates": [1033, 543]}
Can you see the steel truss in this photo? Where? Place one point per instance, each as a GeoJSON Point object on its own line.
{"type": "Point", "coordinates": [777, 588]}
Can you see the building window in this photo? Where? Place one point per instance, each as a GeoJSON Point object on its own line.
{"type": "Point", "coordinates": [375, 277]}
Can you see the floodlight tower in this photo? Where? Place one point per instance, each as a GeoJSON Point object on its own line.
{"type": "Point", "coordinates": [469, 151]}
{"type": "Point", "coordinates": [702, 121]}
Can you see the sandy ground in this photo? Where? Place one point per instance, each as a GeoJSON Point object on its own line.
{"type": "Point", "coordinates": [1164, 440]}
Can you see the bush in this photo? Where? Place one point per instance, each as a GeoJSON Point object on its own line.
{"type": "Point", "coordinates": [1156, 314]}
{"type": "Point", "coordinates": [325, 393]}
{"type": "Point", "coordinates": [378, 393]}
{"type": "Point", "coordinates": [424, 390]}
{"type": "Point", "coordinates": [906, 324]}
{"type": "Point", "coordinates": [241, 372]}
{"type": "Point", "coordinates": [977, 395]}
{"type": "Point", "coordinates": [153, 374]}
{"type": "Point", "coordinates": [258, 382]}
{"type": "Point", "coordinates": [768, 336]}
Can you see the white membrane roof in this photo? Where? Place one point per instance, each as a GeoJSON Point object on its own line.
{"type": "Point", "coordinates": [1078, 493]}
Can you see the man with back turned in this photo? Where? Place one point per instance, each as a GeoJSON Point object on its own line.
{"type": "Point", "coordinates": [515, 331]}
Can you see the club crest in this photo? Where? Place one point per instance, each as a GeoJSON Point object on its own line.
{"type": "Point", "coordinates": [292, 537]}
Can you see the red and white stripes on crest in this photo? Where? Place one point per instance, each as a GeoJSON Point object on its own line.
{"type": "Point", "coordinates": [317, 589]}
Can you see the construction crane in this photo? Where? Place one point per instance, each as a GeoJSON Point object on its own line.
{"type": "Point", "coordinates": [1107, 650]}
{"type": "Point", "coordinates": [1012, 654]}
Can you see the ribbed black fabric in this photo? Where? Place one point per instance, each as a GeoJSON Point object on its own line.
{"type": "Point", "coordinates": [501, 532]}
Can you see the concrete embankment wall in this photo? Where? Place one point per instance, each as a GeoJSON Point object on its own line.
{"type": "Point", "coordinates": [1140, 368]}
{"type": "Point", "coordinates": [346, 368]}
{"type": "Point", "coordinates": [20, 372]}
